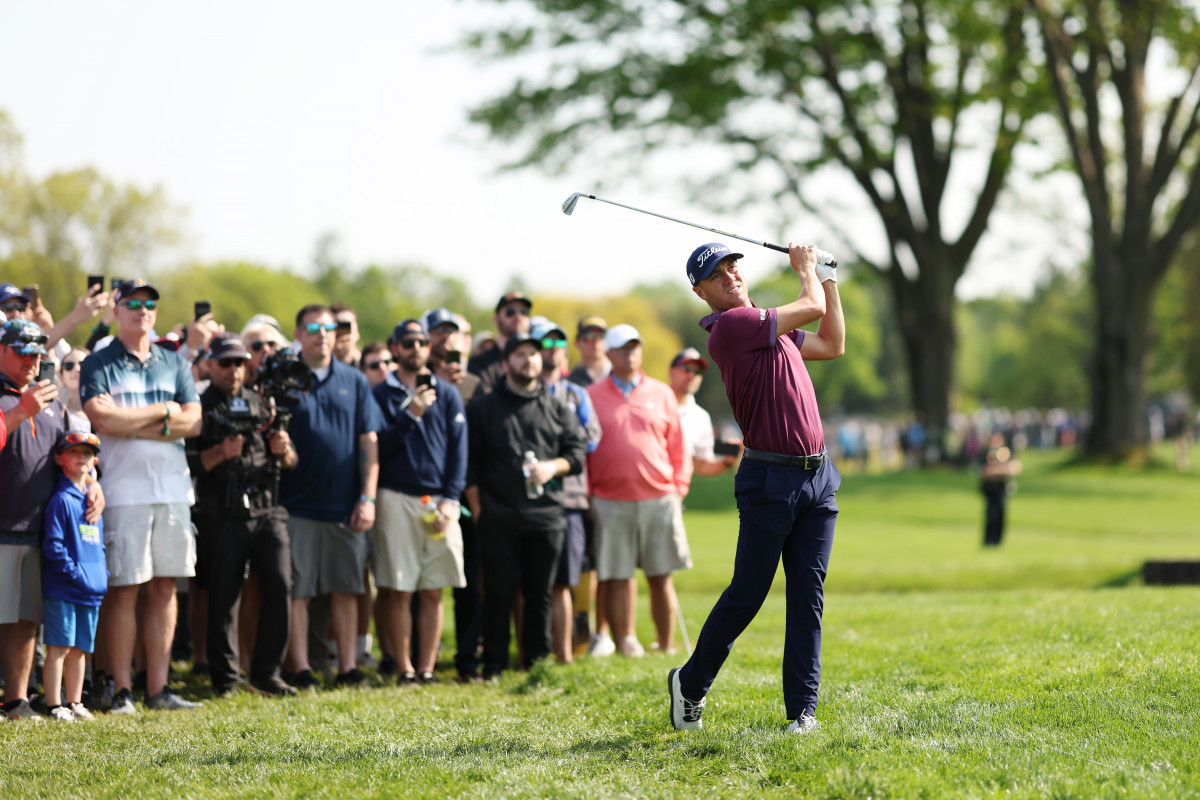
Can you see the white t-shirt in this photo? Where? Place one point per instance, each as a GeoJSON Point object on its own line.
{"type": "Point", "coordinates": [697, 429]}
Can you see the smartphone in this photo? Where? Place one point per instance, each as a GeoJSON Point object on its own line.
{"type": "Point", "coordinates": [344, 325]}
{"type": "Point", "coordinates": [96, 280]}
{"type": "Point", "coordinates": [424, 379]}
{"type": "Point", "coordinates": [115, 282]}
{"type": "Point", "coordinates": [201, 308]}
{"type": "Point", "coordinates": [723, 448]}
{"type": "Point", "coordinates": [454, 356]}
{"type": "Point", "coordinates": [46, 373]}
{"type": "Point", "coordinates": [32, 293]}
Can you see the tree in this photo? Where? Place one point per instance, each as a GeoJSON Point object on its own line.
{"type": "Point", "coordinates": [890, 92]}
{"type": "Point", "coordinates": [1140, 175]}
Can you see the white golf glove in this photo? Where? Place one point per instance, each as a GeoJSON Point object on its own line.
{"type": "Point", "coordinates": [824, 271]}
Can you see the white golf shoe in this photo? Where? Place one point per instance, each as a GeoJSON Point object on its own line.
{"type": "Point", "coordinates": [804, 723]}
{"type": "Point", "coordinates": [685, 714]}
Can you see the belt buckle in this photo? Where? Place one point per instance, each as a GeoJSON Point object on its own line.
{"type": "Point", "coordinates": [806, 462]}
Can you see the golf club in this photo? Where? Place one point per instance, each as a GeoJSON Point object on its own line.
{"type": "Point", "coordinates": [569, 205]}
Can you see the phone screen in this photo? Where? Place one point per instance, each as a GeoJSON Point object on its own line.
{"type": "Point", "coordinates": [95, 280]}
{"type": "Point", "coordinates": [46, 372]}
{"type": "Point", "coordinates": [454, 356]}
{"type": "Point", "coordinates": [722, 448]}
{"type": "Point", "coordinates": [202, 307]}
{"type": "Point", "coordinates": [424, 379]}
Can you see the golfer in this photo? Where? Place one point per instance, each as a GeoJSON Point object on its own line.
{"type": "Point", "coordinates": [786, 483]}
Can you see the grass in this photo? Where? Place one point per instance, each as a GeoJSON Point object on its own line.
{"type": "Point", "coordinates": [1041, 669]}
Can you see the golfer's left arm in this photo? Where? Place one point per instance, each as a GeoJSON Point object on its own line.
{"type": "Point", "coordinates": [829, 341]}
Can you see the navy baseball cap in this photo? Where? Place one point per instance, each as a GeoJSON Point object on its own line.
{"type": "Point", "coordinates": [126, 288]}
{"type": "Point", "coordinates": [518, 339]}
{"type": "Point", "coordinates": [24, 336]}
{"type": "Point", "coordinates": [439, 316]}
{"type": "Point", "coordinates": [9, 291]}
{"type": "Point", "coordinates": [72, 438]}
{"type": "Point", "coordinates": [407, 327]}
{"type": "Point", "coordinates": [690, 355]}
{"type": "Point", "coordinates": [227, 345]}
{"type": "Point", "coordinates": [704, 260]}
{"type": "Point", "coordinates": [513, 297]}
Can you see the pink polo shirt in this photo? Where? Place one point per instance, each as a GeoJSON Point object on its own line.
{"type": "Point", "coordinates": [641, 454]}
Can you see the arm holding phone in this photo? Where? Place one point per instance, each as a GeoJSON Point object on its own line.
{"type": "Point", "coordinates": [94, 300]}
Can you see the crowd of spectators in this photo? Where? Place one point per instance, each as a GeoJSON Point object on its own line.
{"type": "Point", "coordinates": [292, 482]}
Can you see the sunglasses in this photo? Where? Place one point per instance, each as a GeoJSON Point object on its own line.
{"type": "Point", "coordinates": [380, 364]}
{"type": "Point", "coordinates": [137, 305]}
{"type": "Point", "coordinates": [68, 366]}
{"type": "Point", "coordinates": [592, 336]}
{"type": "Point", "coordinates": [554, 344]}
{"type": "Point", "coordinates": [226, 363]}
{"type": "Point", "coordinates": [18, 305]}
{"type": "Point", "coordinates": [412, 341]}
{"type": "Point", "coordinates": [259, 346]}
{"type": "Point", "coordinates": [512, 311]}
{"type": "Point", "coordinates": [317, 327]}
{"type": "Point", "coordinates": [72, 439]}
{"type": "Point", "coordinates": [691, 369]}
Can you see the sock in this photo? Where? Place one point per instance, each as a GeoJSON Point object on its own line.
{"type": "Point", "coordinates": [364, 644]}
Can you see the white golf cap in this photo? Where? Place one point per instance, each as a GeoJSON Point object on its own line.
{"type": "Point", "coordinates": [620, 335]}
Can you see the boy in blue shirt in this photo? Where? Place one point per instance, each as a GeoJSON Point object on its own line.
{"type": "Point", "coordinates": [74, 577]}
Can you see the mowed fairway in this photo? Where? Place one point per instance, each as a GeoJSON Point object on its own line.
{"type": "Point", "coordinates": [1042, 669]}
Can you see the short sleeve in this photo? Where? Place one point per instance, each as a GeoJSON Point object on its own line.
{"type": "Point", "coordinates": [185, 384]}
{"type": "Point", "coordinates": [93, 379]}
{"type": "Point", "coordinates": [741, 330]}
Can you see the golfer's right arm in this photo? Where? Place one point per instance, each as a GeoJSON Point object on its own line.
{"type": "Point", "coordinates": [810, 305]}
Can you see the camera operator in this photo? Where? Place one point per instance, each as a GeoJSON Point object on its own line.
{"type": "Point", "coordinates": [238, 517]}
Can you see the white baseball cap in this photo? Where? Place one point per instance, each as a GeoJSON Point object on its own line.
{"type": "Point", "coordinates": [620, 335]}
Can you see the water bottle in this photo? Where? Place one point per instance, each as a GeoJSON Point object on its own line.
{"type": "Point", "coordinates": [533, 489]}
{"type": "Point", "coordinates": [429, 514]}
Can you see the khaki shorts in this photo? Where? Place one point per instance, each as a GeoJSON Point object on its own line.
{"type": "Point", "coordinates": [640, 533]}
{"type": "Point", "coordinates": [20, 584]}
{"type": "Point", "coordinates": [151, 541]}
{"type": "Point", "coordinates": [327, 557]}
{"type": "Point", "coordinates": [407, 558]}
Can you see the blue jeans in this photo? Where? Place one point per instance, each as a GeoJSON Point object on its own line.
{"type": "Point", "coordinates": [785, 512]}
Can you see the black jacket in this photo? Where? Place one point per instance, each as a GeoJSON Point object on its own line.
{"type": "Point", "coordinates": [501, 426]}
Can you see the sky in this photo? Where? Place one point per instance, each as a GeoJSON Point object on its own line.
{"type": "Point", "coordinates": [272, 123]}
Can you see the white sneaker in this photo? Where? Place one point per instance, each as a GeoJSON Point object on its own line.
{"type": "Point", "coordinates": [61, 714]}
{"type": "Point", "coordinates": [685, 714]}
{"type": "Point", "coordinates": [631, 647]}
{"type": "Point", "coordinates": [166, 700]}
{"type": "Point", "coordinates": [803, 724]}
{"type": "Point", "coordinates": [602, 645]}
{"type": "Point", "coordinates": [80, 711]}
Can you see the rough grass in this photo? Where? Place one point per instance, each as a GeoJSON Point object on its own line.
{"type": "Point", "coordinates": [1042, 669]}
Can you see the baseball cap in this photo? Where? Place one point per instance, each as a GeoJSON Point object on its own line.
{"type": "Point", "coordinates": [227, 345]}
{"type": "Point", "coordinates": [690, 355]}
{"type": "Point", "coordinates": [439, 316]}
{"type": "Point", "coordinates": [514, 297]}
{"type": "Point", "coordinates": [126, 288]}
{"type": "Point", "coordinates": [24, 336]}
{"type": "Point", "coordinates": [261, 319]}
{"type": "Point", "coordinates": [544, 329]}
{"type": "Point", "coordinates": [620, 335]}
{"type": "Point", "coordinates": [9, 291]}
{"type": "Point", "coordinates": [591, 323]}
{"type": "Point", "coordinates": [704, 260]}
{"type": "Point", "coordinates": [406, 327]}
{"type": "Point", "coordinates": [518, 339]}
{"type": "Point", "coordinates": [72, 438]}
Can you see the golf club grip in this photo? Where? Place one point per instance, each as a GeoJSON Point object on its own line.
{"type": "Point", "coordinates": [775, 247]}
{"type": "Point", "coordinates": [831, 263]}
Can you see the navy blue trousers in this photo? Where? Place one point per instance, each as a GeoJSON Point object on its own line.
{"type": "Point", "coordinates": [786, 513]}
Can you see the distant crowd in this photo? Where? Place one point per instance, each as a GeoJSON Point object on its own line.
{"type": "Point", "coordinates": [295, 482]}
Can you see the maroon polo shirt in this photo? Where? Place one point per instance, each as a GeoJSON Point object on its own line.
{"type": "Point", "coordinates": [766, 381]}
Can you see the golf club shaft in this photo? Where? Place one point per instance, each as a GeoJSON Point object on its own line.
{"type": "Point", "coordinates": [780, 248]}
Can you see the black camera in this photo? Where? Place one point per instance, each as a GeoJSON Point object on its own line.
{"type": "Point", "coordinates": [234, 419]}
{"type": "Point", "coordinates": [282, 377]}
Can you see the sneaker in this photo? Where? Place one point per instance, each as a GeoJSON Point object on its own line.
{"type": "Point", "coordinates": [60, 714]}
{"type": "Point", "coordinates": [80, 712]}
{"type": "Point", "coordinates": [631, 647]}
{"type": "Point", "coordinates": [122, 702]}
{"type": "Point", "coordinates": [426, 678]}
{"type": "Point", "coordinates": [166, 700]}
{"type": "Point", "coordinates": [685, 714]}
{"type": "Point", "coordinates": [406, 679]}
{"type": "Point", "coordinates": [658, 648]}
{"type": "Point", "coordinates": [275, 687]}
{"type": "Point", "coordinates": [108, 690]}
{"type": "Point", "coordinates": [803, 724]}
{"type": "Point", "coordinates": [304, 679]}
{"type": "Point", "coordinates": [388, 665]}
{"type": "Point", "coordinates": [353, 678]}
{"type": "Point", "coordinates": [20, 709]}
{"type": "Point", "coordinates": [602, 645]}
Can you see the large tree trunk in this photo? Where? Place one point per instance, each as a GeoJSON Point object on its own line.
{"type": "Point", "coordinates": [925, 309]}
{"type": "Point", "coordinates": [1123, 304]}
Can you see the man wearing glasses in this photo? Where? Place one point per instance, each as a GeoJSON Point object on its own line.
{"type": "Point", "coordinates": [238, 517]}
{"type": "Point", "coordinates": [685, 377]}
{"type": "Point", "coordinates": [512, 317]}
{"type": "Point", "coordinates": [36, 418]}
{"type": "Point", "coordinates": [142, 400]}
{"type": "Point", "coordinates": [330, 495]}
{"type": "Point", "coordinates": [593, 353]}
{"type": "Point", "coordinates": [418, 542]}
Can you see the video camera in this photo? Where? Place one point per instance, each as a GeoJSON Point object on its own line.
{"type": "Point", "coordinates": [238, 419]}
{"type": "Point", "coordinates": [282, 377]}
